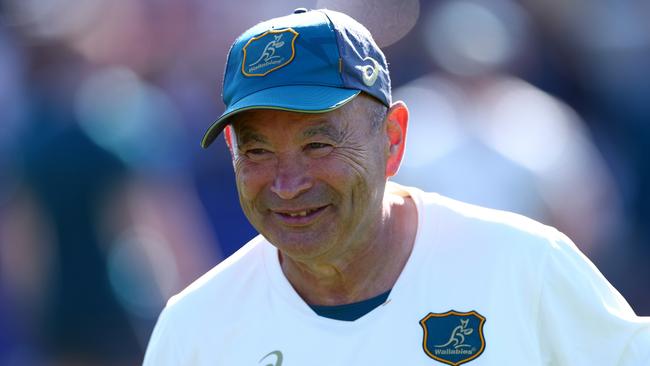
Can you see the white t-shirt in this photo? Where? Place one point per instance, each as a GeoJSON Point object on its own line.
{"type": "Point", "coordinates": [481, 286]}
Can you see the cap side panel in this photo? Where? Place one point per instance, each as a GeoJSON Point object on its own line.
{"type": "Point", "coordinates": [364, 65]}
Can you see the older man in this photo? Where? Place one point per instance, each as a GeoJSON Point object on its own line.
{"type": "Point", "coordinates": [352, 270]}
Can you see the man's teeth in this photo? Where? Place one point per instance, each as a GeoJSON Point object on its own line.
{"type": "Point", "coordinates": [301, 213]}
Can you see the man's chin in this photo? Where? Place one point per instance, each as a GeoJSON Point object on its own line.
{"type": "Point", "coordinates": [301, 247]}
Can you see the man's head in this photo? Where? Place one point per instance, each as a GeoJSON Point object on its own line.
{"type": "Point", "coordinates": [312, 130]}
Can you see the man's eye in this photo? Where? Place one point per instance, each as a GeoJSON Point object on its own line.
{"type": "Point", "coordinates": [317, 145]}
{"type": "Point", "coordinates": [256, 153]}
{"type": "Point", "coordinates": [318, 149]}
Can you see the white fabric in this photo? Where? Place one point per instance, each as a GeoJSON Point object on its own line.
{"type": "Point", "coordinates": [544, 303]}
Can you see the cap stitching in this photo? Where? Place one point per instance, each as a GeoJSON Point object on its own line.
{"type": "Point", "coordinates": [331, 24]}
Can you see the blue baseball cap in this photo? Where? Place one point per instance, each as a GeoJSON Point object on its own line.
{"type": "Point", "coordinates": [312, 61]}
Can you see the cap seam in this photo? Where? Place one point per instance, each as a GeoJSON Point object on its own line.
{"type": "Point", "coordinates": [225, 72]}
{"type": "Point", "coordinates": [338, 44]}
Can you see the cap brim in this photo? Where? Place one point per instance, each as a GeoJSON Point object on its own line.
{"type": "Point", "coordinates": [294, 98]}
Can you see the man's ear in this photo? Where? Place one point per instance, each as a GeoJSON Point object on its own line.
{"type": "Point", "coordinates": [397, 119]}
{"type": "Point", "coordinates": [229, 136]}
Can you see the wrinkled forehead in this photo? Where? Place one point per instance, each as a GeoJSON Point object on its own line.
{"type": "Point", "coordinates": [262, 119]}
{"type": "Point", "coordinates": [258, 125]}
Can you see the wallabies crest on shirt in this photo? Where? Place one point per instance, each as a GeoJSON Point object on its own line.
{"type": "Point", "coordinates": [453, 338]}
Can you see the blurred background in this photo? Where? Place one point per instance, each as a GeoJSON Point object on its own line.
{"type": "Point", "coordinates": [108, 205]}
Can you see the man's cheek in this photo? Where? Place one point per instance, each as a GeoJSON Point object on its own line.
{"type": "Point", "coordinates": [248, 188]}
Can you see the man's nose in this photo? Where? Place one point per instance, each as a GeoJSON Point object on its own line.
{"type": "Point", "coordinates": [291, 178]}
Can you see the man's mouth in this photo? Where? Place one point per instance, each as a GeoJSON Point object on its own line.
{"type": "Point", "coordinates": [300, 213]}
{"type": "Point", "coordinates": [299, 217]}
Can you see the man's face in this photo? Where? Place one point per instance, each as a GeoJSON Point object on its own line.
{"type": "Point", "coordinates": [312, 184]}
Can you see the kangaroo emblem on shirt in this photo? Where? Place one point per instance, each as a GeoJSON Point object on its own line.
{"type": "Point", "coordinates": [457, 338]}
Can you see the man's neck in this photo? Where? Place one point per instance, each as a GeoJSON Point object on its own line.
{"type": "Point", "coordinates": [371, 269]}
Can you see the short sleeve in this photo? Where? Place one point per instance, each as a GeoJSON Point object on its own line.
{"type": "Point", "coordinates": [583, 319]}
{"type": "Point", "coordinates": [162, 349]}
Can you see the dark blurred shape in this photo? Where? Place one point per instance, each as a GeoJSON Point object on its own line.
{"type": "Point", "coordinates": [69, 176]}
{"type": "Point", "coordinates": [67, 310]}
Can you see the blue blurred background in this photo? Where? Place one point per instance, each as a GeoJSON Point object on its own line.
{"type": "Point", "coordinates": [108, 205]}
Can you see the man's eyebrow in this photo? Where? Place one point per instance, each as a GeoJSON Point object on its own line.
{"type": "Point", "coordinates": [323, 130]}
{"type": "Point", "coordinates": [246, 135]}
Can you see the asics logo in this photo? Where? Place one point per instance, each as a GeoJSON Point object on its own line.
{"type": "Point", "coordinates": [275, 355]}
{"type": "Point", "coordinates": [369, 73]}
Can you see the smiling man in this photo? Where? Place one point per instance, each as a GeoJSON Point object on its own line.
{"type": "Point", "coordinates": [314, 184]}
{"type": "Point", "coordinates": [350, 269]}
